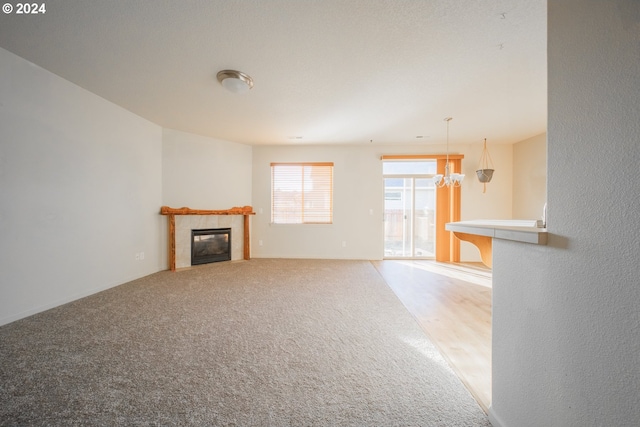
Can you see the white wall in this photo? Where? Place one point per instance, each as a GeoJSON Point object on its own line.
{"type": "Point", "coordinates": [80, 189]}
{"type": "Point", "coordinates": [358, 188]}
{"type": "Point", "coordinates": [204, 173]}
{"type": "Point", "coordinates": [496, 201]}
{"type": "Point", "coordinates": [530, 177]}
{"type": "Point", "coordinates": [566, 323]}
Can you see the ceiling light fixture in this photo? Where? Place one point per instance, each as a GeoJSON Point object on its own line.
{"type": "Point", "coordinates": [235, 81]}
{"type": "Point", "coordinates": [448, 179]}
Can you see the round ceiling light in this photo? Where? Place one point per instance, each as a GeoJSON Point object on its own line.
{"type": "Point", "coordinates": [235, 81]}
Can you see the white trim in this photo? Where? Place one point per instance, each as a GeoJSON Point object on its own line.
{"type": "Point", "coordinates": [493, 418]}
{"type": "Point", "coordinates": [62, 301]}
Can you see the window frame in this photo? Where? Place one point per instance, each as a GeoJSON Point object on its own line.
{"type": "Point", "coordinates": [303, 210]}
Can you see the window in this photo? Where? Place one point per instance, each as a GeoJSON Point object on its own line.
{"type": "Point", "coordinates": [302, 193]}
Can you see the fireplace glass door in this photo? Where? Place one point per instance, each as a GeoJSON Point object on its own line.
{"type": "Point", "coordinates": [210, 245]}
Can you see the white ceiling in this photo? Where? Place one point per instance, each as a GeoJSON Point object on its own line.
{"type": "Point", "coordinates": [328, 71]}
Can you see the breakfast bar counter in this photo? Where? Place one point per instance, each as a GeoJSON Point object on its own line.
{"type": "Point", "coordinates": [482, 232]}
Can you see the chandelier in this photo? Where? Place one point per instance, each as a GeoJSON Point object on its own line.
{"type": "Point", "coordinates": [448, 179]}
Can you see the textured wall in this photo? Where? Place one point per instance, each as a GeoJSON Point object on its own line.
{"type": "Point", "coordinates": [529, 177]}
{"type": "Point", "coordinates": [80, 189]}
{"type": "Point", "coordinates": [358, 189]}
{"type": "Point", "coordinates": [566, 324]}
{"type": "Point", "coordinates": [204, 173]}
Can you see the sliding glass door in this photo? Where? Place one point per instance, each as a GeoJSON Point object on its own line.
{"type": "Point", "coordinates": [409, 209]}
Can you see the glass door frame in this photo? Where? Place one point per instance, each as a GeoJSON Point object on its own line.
{"type": "Point", "coordinates": [448, 203]}
{"type": "Point", "coordinates": [409, 211]}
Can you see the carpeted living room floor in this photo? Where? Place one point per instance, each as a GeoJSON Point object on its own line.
{"type": "Point", "coordinates": [265, 342]}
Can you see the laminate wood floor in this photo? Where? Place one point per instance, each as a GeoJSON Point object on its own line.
{"type": "Point", "coordinates": [452, 303]}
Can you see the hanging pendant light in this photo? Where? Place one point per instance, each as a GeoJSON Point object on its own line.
{"type": "Point", "coordinates": [485, 173]}
{"type": "Point", "coordinates": [448, 179]}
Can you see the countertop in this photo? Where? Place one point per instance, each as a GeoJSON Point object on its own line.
{"type": "Point", "coordinates": [516, 230]}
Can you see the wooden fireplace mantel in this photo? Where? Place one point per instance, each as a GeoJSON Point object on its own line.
{"type": "Point", "coordinates": [172, 212]}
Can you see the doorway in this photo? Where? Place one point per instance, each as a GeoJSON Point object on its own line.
{"type": "Point", "coordinates": [416, 211]}
{"type": "Point", "coordinates": [409, 209]}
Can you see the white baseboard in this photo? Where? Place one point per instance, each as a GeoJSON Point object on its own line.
{"type": "Point", "coordinates": [67, 299]}
{"type": "Point", "coordinates": [494, 419]}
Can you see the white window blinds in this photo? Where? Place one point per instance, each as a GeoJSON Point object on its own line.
{"type": "Point", "coordinates": [302, 193]}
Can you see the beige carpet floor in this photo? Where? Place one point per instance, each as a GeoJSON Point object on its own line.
{"type": "Point", "coordinates": [266, 342]}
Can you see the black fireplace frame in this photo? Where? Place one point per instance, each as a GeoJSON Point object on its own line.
{"type": "Point", "coordinates": [225, 256]}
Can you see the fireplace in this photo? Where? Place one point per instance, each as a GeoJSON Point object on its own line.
{"type": "Point", "coordinates": [210, 245]}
